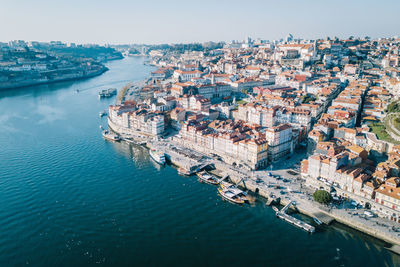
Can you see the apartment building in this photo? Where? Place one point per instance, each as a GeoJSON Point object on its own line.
{"type": "Point", "coordinates": [280, 141]}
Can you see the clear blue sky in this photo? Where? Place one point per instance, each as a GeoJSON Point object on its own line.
{"type": "Point", "coordinates": [172, 21]}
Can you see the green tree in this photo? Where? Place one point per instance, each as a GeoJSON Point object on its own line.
{"type": "Point", "coordinates": [393, 107]}
{"type": "Point", "coordinates": [322, 196]}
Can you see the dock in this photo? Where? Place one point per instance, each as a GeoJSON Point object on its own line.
{"type": "Point", "coordinates": [294, 221]}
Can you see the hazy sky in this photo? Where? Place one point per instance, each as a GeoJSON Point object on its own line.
{"type": "Point", "coordinates": [172, 21]}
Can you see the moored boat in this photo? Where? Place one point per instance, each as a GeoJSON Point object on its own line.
{"type": "Point", "coordinates": [108, 92]}
{"type": "Point", "coordinates": [231, 195]}
{"type": "Point", "coordinates": [102, 113]}
{"type": "Point", "coordinates": [184, 172]}
{"type": "Point", "coordinates": [317, 221]}
{"type": "Point", "coordinates": [111, 136]}
{"type": "Point", "coordinates": [157, 156]}
{"type": "Point", "coordinates": [207, 178]}
{"type": "Point", "coordinates": [226, 185]}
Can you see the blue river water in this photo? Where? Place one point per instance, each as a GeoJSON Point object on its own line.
{"type": "Point", "coordinates": [70, 198]}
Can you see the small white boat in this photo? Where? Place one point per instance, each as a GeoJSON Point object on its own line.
{"type": "Point", "coordinates": [111, 136]}
{"type": "Point", "coordinates": [102, 113]}
{"type": "Point", "coordinates": [233, 195]}
{"type": "Point", "coordinates": [317, 221]}
{"type": "Point", "coordinates": [184, 172]}
{"type": "Point", "coordinates": [207, 178]}
{"type": "Point", "coordinates": [157, 156]}
{"type": "Point", "coordinates": [108, 92]}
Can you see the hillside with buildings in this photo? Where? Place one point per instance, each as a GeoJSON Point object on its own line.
{"type": "Point", "coordinates": [29, 63]}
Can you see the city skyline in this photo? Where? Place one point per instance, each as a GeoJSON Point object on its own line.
{"type": "Point", "coordinates": [155, 22]}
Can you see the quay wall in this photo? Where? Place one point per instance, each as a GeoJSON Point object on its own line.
{"type": "Point", "coordinates": [389, 238]}
{"type": "Point", "coordinates": [303, 206]}
{"type": "Point", "coordinates": [311, 211]}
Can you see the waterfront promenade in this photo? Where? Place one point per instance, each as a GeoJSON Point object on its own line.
{"type": "Point", "coordinates": [290, 188]}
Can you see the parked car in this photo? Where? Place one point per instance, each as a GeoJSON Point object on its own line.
{"type": "Point", "coordinates": [369, 214]}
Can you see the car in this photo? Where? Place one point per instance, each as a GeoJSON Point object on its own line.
{"type": "Point", "coordinates": [368, 213]}
{"type": "Point", "coordinates": [335, 198]}
{"type": "Point", "coordinates": [269, 174]}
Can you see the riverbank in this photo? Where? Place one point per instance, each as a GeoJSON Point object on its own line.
{"type": "Point", "coordinates": [63, 78]}
{"type": "Point", "coordinates": [271, 190]}
{"type": "Point", "coordinates": [304, 203]}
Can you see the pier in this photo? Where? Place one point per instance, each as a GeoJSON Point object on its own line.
{"type": "Point", "coordinates": [294, 221]}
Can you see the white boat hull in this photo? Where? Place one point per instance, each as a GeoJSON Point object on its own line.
{"type": "Point", "coordinates": [159, 159]}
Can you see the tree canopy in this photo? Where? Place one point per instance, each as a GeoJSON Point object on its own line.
{"type": "Point", "coordinates": [322, 196]}
{"type": "Point", "coordinates": [393, 107]}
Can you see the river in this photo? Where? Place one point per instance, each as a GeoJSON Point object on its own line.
{"type": "Point", "coordinates": [68, 197]}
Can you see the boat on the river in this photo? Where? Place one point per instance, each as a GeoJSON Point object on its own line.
{"type": "Point", "coordinates": [317, 221]}
{"type": "Point", "coordinates": [207, 178]}
{"type": "Point", "coordinates": [184, 172]}
{"type": "Point", "coordinates": [111, 136]}
{"type": "Point", "coordinates": [157, 156]}
{"type": "Point", "coordinates": [233, 195]}
{"type": "Point", "coordinates": [102, 113]}
{"type": "Point", "coordinates": [226, 185]}
{"type": "Point", "coordinates": [108, 92]}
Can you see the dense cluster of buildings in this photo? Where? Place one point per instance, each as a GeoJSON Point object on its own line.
{"type": "Point", "coordinates": [254, 102]}
{"type": "Point", "coordinates": [27, 63]}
